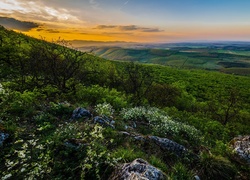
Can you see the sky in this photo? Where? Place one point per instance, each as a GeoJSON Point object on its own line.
{"type": "Point", "coordinates": [129, 20]}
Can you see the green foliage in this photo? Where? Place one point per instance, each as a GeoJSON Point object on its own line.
{"type": "Point", "coordinates": [161, 123]}
{"type": "Point", "coordinates": [96, 94]}
{"type": "Point", "coordinates": [221, 149]}
{"type": "Point", "coordinates": [163, 95]}
{"type": "Point", "coordinates": [136, 80]}
{"type": "Point", "coordinates": [104, 109]}
{"type": "Point", "coordinates": [181, 172]}
{"type": "Point", "coordinates": [30, 159]}
{"type": "Point", "coordinates": [157, 162]}
{"type": "Point", "coordinates": [215, 129]}
{"type": "Point", "coordinates": [128, 154]}
{"type": "Point", "coordinates": [42, 83]}
{"type": "Point", "coordinates": [215, 167]}
{"type": "Point", "coordinates": [22, 103]}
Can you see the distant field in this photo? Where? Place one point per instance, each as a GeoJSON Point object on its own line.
{"type": "Point", "coordinates": [227, 58]}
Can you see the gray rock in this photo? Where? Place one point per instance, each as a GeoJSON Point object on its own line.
{"type": "Point", "coordinates": [80, 113]}
{"type": "Point", "coordinates": [241, 146]}
{"type": "Point", "coordinates": [196, 177]}
{"type": "Point", "coordinates": [105, 121]}
{"type": "Point", "coordinates": [3, 137]}
{"type": "Point", "coordinates": [139, 169]}
{"type": "Point", "coordinates": [167, 144]}
{"type": "Point", "coordinates": [163, 143]}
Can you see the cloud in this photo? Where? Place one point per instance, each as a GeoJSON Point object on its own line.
{"type": "Point", "coordinates": [105, 26]}
{"type": "Point", "coordinates": [12, 23]}
{"type": "Point", "coordinates": [39, 11]}
{"type": "Point", "coordinates": [128, 28]}
{"type": "Point", "coordinates": [94, 4]}
{"type": "Point", "coordinates": [126, 2]}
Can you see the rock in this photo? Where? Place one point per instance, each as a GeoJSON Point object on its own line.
{"type": "Point", "coordinates": [167, 144]}
{"type": "Point", "coordinates": [80, 113]}
{"type": "Point", "coordinates": [196, 177]}
{"type": "Point", "coordinates": [3, 137]}
{"type": "Point", "coordinates": [139, 169]}
{"type": "Point", "coordinates": [241, 145]}
{"type": "Point", "coordinates": [163, 143]}
{"type": "Point", "coordinates": [105, 121]}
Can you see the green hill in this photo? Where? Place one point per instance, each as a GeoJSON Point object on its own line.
{"type": "Point", "coordinates": [66, 114]}
{"type": "Point", "coordinates": [209, 58]}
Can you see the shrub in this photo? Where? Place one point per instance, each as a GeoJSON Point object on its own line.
{"type": "Point", "coordinates": [96, 94]}
{"type": "Point", "coordinates": [215, 167]}
{"type": "Point", "coordinates": [180, 172]}
{"type": "Point", "coordinates": [30, 159]}
{"type": "Point", "coordinates": [90, 157]}
{"type": "Point", "coordinates": [128, 154]}
{"type": "Point", "coordinates": [104, 109]}
{"type": "Point", "coordinates": [23, 104]}
{"type": "Point", "coordinates": [157, 162]}
{"type": "Point", "coordinates": [161, 123]}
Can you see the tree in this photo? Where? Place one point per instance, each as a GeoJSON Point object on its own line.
{"type": "Point", "coordinates": [137, 79]}
{"type": "Point", "coordinates": [53, 64]}
{"type": "Point", "coordinates": [225, 107]}
{"type": "Point", "coordinates": [163, 95]}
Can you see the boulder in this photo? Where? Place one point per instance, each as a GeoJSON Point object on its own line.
{"type": "Point", "coordinates": [3, 137]}
{"type": "Point", "coordinates": [167, 144]}
{"type": "Point", "coordinates": [241, 145]}
{"type": "Point", "coordinates": [163, 143]}
{"type": "Point", "coordinates": [80, 113]}
{"type": "Point", "coordinates": [105, 121]}
{"type": "Point", "coordinates": [139, 169]}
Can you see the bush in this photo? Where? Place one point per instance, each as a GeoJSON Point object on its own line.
{"type": "Point", "coordinates": [23, 104]}
{"type": "Point", "coordinates": [215, 167]}
{"type": "Point", "coordinates": [180, 172]}
{"type": "Point", "coordinates": [96, 94]}
{"type": "Point", "coordinates": [128, 154]}
{"type": "Point", "coordinates": [161, 124]}
{"type": "Point", "coordinates": [90, 156]}
{"type": "Point", "coordinates": [104, 109]}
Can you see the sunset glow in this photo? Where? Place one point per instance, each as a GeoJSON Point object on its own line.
{"type": "Point", "coordinates": [129, 20]}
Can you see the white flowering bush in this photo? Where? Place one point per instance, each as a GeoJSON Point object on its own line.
{"type": "Point", "coordinates": [2, 91]}
{"type": "Point", "coordinates": [104, 109]}
{"type": "Point", "coordinates": [92, 154]}
{"type": "Point", "coordinates": [141, 113]}
{"type": "Point", "coordinates": [30, 160]}
{"type": "Point", "coordinates": [3, 94]}
{"type": "Point", "coordinates": [160, 123]}
{"type": "Point", "coordinates": [97, 155]}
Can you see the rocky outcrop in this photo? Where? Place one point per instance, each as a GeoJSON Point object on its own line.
{"type": "Point", "coordinates": [139, 169]}
{"type": "Point", "coordinates": [167, 144]}
{"type": "Point", "coordinates": [163, 143]}
{"type": "Point", "coordinates": [105, 121]}
{"type": "Point", "coordinates": [3, 137]}
{"type": "Point", "coordinates": [80, 113]}
{"type": "Point", "coordinates": [241, 145]}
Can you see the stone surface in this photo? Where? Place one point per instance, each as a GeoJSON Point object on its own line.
{"type": "Point", "coordinates": [105, 121]}
{"type": "Point", "coordinates": [3, 137]}
{"type": "Point", "coordinates": [163, 143]}
{"type": "Point", "coordinates": [167, 144]}
{"type": "Point", "coordinates": [139, 169]}
{"type": "Point", "coordinates": [241, 145]}
{"type": "Point", "coordinates": [80, 113]}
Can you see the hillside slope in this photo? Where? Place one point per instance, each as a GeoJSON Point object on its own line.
{"type": "Point", "coordinates": [66, 114]}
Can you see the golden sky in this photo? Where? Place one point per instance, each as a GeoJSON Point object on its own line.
{"type": "Point", "coordinates": [129, 20]}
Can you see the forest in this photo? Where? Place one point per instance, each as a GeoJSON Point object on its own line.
{"type": "Point", "coordinates": [68, 114]}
